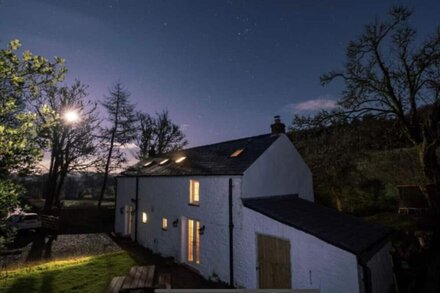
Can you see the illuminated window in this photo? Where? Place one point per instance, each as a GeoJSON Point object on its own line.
{"type": "Point", "coordinates": [193, 241]}
{"type": "Point", "coordinates": [164, 161]}
{"type": "Point", "coordinates": [144, 218]}
{"type": "Point", "coordinates": [164, 223]}
{"type": "Point", "coordinates": [236, 153]}
{"type": "Point", "coordinates": [194, 188]}
{"type": "Point", "coordinates": [181, 159]}
{"type": "Point", "coordinates": [148, 163]}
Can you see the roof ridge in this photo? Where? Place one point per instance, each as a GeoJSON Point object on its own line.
{"type": "Point", "coordinates": [323, 207]}
{"type": "Point", "coordinates": [216, 143]}
{"type": "Point", "coordinates": [209, 159]}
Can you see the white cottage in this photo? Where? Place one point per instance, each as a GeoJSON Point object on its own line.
{"type": "Point", "coordinates": [242, 211]}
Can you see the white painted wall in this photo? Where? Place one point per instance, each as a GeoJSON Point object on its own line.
{"type": "Point", "coordinates": [381, 269]}
{"type": "Point", "coordinates": [315, 264]}
{"type": "Point", "coordinates": [280, 170]}
{"type": "Point", "coordinates": [169, 197]}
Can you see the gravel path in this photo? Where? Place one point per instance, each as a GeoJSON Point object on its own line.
{"type": "Point", "coordinates": [37, 248]}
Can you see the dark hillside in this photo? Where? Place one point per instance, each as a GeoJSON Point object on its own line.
{"type": "Point", "coordinates": [357, 165]}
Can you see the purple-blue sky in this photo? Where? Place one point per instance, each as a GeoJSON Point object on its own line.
{"type": "Point", "coordinates": [223, 69]}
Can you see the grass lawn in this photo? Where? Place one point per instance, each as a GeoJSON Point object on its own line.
{"type": "Point", "coordinates": [84, 274]}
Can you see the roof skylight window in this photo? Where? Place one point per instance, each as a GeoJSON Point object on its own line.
{"type": "Point", "coordinates": [164, 161]}
{"type": "Point", "coordinates": [148, 163]}
{"type": "Point", "coordinates": [181, 159]}
{"type": "Point", "coordinates": [236, 153]}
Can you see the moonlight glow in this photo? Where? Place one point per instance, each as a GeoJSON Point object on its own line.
{"type": "Point", "coordinates": [71, 116]}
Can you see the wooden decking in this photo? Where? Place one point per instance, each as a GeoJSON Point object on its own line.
{"type": "Point", "coordinates": [139, 278]}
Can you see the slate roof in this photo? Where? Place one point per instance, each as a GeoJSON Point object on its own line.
{"type": "Point", "coordinates": [213, 159]}
{"type": "Point", "coordinates": [344, 231]}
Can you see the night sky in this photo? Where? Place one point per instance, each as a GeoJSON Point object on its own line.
{"type": "Point", "coordinates": [223, 69]}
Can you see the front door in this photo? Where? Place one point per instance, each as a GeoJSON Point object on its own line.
{"type": "Point", "coordinates": [274, 270]}
{"type": "Point", "coordinates": [193, 242]}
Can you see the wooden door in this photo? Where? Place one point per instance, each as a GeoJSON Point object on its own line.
{"type": "Point", "coordinates": [274, 263]}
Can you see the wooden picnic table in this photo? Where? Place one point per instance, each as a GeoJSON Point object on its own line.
{"type": "Point", "coordinates": [139, 277]}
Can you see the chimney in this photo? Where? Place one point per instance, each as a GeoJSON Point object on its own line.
{"type": "Point", "coordinates": [277, 126]}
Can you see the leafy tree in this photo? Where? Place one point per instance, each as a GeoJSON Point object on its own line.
{"type": "Point", "coordinates": [388, 73]}
{"type": "Point", "coordinates": [72, 144]}
{"type": "Point", "coordinates": [121, 131]}
{"type": "Point", "coordinates": [20, 76]}
{"type": "Point", "coordinates": [158, 135]}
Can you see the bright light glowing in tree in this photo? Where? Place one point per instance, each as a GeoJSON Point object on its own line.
{"type": "Point", "coordinates": [71, 116]}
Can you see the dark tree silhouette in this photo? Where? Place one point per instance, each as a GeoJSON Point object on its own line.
{"type": "Point", "coordinates": [388, 73]}
{"type": "Point", "coordinates": [72, 144]}
{"type": "Point", "coordinates": [158, 135]}
{"type": "Point", "coordinates": [122, 131]}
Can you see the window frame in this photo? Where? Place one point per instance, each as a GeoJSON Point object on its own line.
{"type": "Point", "coordinates": [192, 194]}
{"type": "Point", "coordinates": [165, 227]}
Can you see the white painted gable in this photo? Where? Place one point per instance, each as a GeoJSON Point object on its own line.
{"type": "Point", "coordinates": [280, 170]}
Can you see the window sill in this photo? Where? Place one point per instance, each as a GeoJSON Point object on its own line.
{"type": "Point", "coordinates": [193, 204]}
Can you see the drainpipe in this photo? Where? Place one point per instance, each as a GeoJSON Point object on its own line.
{"type": "Point", "coordinates": [231, 238]}
{"type": "Point", "coordinates": [117, 210]}
{"type": "Point", "coordinates": [136, 210]}
{"type": "Point", "coordinates": [366, 272]}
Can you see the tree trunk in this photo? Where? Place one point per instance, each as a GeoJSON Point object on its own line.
{"type": "Point", "coordinates": [107, 167]}
{"type": "Point", "coordinates": [109, 157]}
{"type": "Point", "coordinates": [52, 184]}
{"type": "Point", "coordinates": [57, 196]}
{"type": "Point", "coordinates": [54, 170]}
{"type": "Point", "coordinates": [430, 166]}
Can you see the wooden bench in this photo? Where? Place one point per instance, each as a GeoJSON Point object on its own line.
{"type": "Point", "coordinates": [165, 281]}
{"type": "Point", "coordinates": [50, 223]}
{"type": "Point", "coordinates": [140, 277]}
{"type": "Point", "coordinates": [115, 285]}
